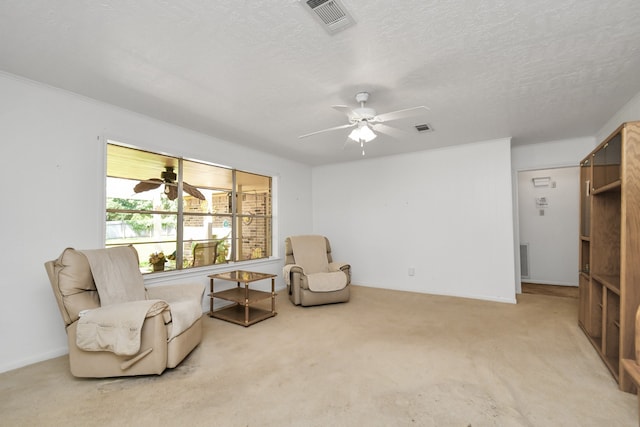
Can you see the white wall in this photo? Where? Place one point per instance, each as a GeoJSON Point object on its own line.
{"type": "Point", "coordinates": [551, 154]}
{"type": "Point", "coordinates": [444, 212]}
{"type": "Point", "coordinates": [552, 237]}
{"type": "Point", "coordinates": [53, 197]}
{"type": "Point", "coordinates": [629, 113]}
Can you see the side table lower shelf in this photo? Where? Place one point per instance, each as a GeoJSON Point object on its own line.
{"type": "Point", "coordinates": [235, 313]}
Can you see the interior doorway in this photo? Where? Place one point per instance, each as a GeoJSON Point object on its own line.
{"type": "Point", "coordinates": [548, 222]}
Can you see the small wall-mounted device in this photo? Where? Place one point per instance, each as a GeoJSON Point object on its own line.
{"type": "Point", "coordinates": [543, 181]}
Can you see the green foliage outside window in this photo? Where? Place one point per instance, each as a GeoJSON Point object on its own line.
{"type": "Point", "coordinates": [139, 222]}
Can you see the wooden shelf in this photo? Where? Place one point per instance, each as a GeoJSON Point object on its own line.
{"type": "Point", "coordinates": [614, 186]}
{"type": "Point", "coordinates": [609, 213]}
{"type": "Point", "coordinates": [632, 369]}
{"type": "Point", "coordinates": [610, 281]}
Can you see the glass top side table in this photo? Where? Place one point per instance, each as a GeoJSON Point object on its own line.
{"type": "Point", "coordinates": [243, 312]}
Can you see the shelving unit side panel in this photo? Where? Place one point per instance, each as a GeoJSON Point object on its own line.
{"type": "Point", "coordinates": [630, 239]}
{"type": "Point", "coordinates": [583, 308]}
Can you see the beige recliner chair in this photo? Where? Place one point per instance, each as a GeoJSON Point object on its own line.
{"type": "Point", "coordinates": [115, 326]}
{"type": "Point", "coordinates": [311, 276]}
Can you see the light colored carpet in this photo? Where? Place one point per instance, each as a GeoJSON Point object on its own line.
{"type": "Point", "coordinates": [386, 358]}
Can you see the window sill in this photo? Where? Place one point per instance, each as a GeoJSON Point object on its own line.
{"type": "Point", "coordinates": [200, 272]}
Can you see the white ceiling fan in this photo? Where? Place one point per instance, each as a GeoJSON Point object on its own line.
{"type": "Point", "coordinates": [366, 122]}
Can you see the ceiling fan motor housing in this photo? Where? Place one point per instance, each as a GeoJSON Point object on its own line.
{"type": "Point", "coordinates": [363, 114]}
{"type": "Point", "coordinates": [362, 97]}
{"type": "Point", "coordinates": [169, 175]}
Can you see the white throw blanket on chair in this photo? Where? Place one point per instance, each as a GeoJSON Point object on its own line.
{"type": "Point", "coordinates": [117, 324]}
{"type": "Point", "coordinates": [310, 253]}
{"type": "Point", "coordinates": [116, 274]}
{"type": "Point", "coordinates": [117, 327]}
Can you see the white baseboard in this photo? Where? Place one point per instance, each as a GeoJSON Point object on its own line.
{"type": "Point", "coordinates": [34, 359]}
{"type": "Point", "coordinates": [549, 282]}
{"type": "Point", "coordinates": [478, 297]}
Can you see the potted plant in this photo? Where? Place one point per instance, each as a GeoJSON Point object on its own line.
{"type": "Point", "coordinates": [157, 260]}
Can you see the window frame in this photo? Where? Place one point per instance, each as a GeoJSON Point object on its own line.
{"type": "Point", "coordinates": [236, 219]}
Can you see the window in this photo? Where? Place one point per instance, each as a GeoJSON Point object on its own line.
{"type": "Point", "coordinates": [221, 215]}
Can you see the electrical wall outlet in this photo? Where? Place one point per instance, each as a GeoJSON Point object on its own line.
{"type": "Point", "coordinates": [412, 271]}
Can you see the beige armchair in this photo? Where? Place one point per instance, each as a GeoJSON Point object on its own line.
{"type": "Point", "coordinates": [311, 276]}
{"type": "Point", "coordinates": [115, 326]}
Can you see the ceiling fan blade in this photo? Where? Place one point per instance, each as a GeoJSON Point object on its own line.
{"type": "Point", "coordinates": [350, 125]}
{"type": "Point", "coordinates": [171, 190]}
{"type": "Point", "coordinates": [390, 131]}
{"type": "Point", "coordinates": [346, 110]}
{"type": "Point", "coordinates": [400, 114]}
{"type": "Point", "coordinates": [193, 191]}
{"type": "Point", "coordinates": [147, 185]}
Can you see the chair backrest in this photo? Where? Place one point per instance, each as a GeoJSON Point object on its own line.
{"type": "Point", "coordinates": [205, 253]}
{"type": "Point", "coordinates": [289, 255]}
{"type": "Point", "coordinates": [72, 283]}
{"type": "Point", "coordinates": [116, 274]}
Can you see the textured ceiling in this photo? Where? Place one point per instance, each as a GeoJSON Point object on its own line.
{"type": "Point", "coordinates": [262, 72]}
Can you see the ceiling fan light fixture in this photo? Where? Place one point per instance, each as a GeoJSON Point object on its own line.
{"type": "Point", "coordinates": [362, 133]}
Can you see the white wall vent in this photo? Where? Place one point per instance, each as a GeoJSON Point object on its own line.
{"type": "Point", "coordinates": [524, 261]}
{"type": "Point", "coordinates": [331, 14]}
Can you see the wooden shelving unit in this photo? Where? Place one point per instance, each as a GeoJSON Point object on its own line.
{"type": "Point", "coordinates": [609, 259]}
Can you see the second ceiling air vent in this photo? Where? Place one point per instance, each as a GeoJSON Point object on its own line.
{"type": "Point", "coordinates": [425, 127]}
{"type": "Point", "coordinates": [331, 14]}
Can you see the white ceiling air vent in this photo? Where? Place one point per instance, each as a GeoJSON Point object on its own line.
{"type": "Point", "coordinates": [331, 14]}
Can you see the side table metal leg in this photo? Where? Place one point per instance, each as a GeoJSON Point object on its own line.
{"type": "Point", "coordinates": [273, 295]}
{"type": "Point", "coordinates": [211, 297]}
{"type": "Point", "coordinates": [246, 304]}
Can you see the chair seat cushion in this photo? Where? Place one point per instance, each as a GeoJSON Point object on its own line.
{"type": "Point", "coordinates": [327, 282]}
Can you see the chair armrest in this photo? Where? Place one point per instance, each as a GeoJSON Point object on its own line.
{"type": "Point", "coordinates": [338, 266]}
{"type": "Point", "coordinates": [295, 268]}
{"type": "Point", "coordinates": [172, 293]}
